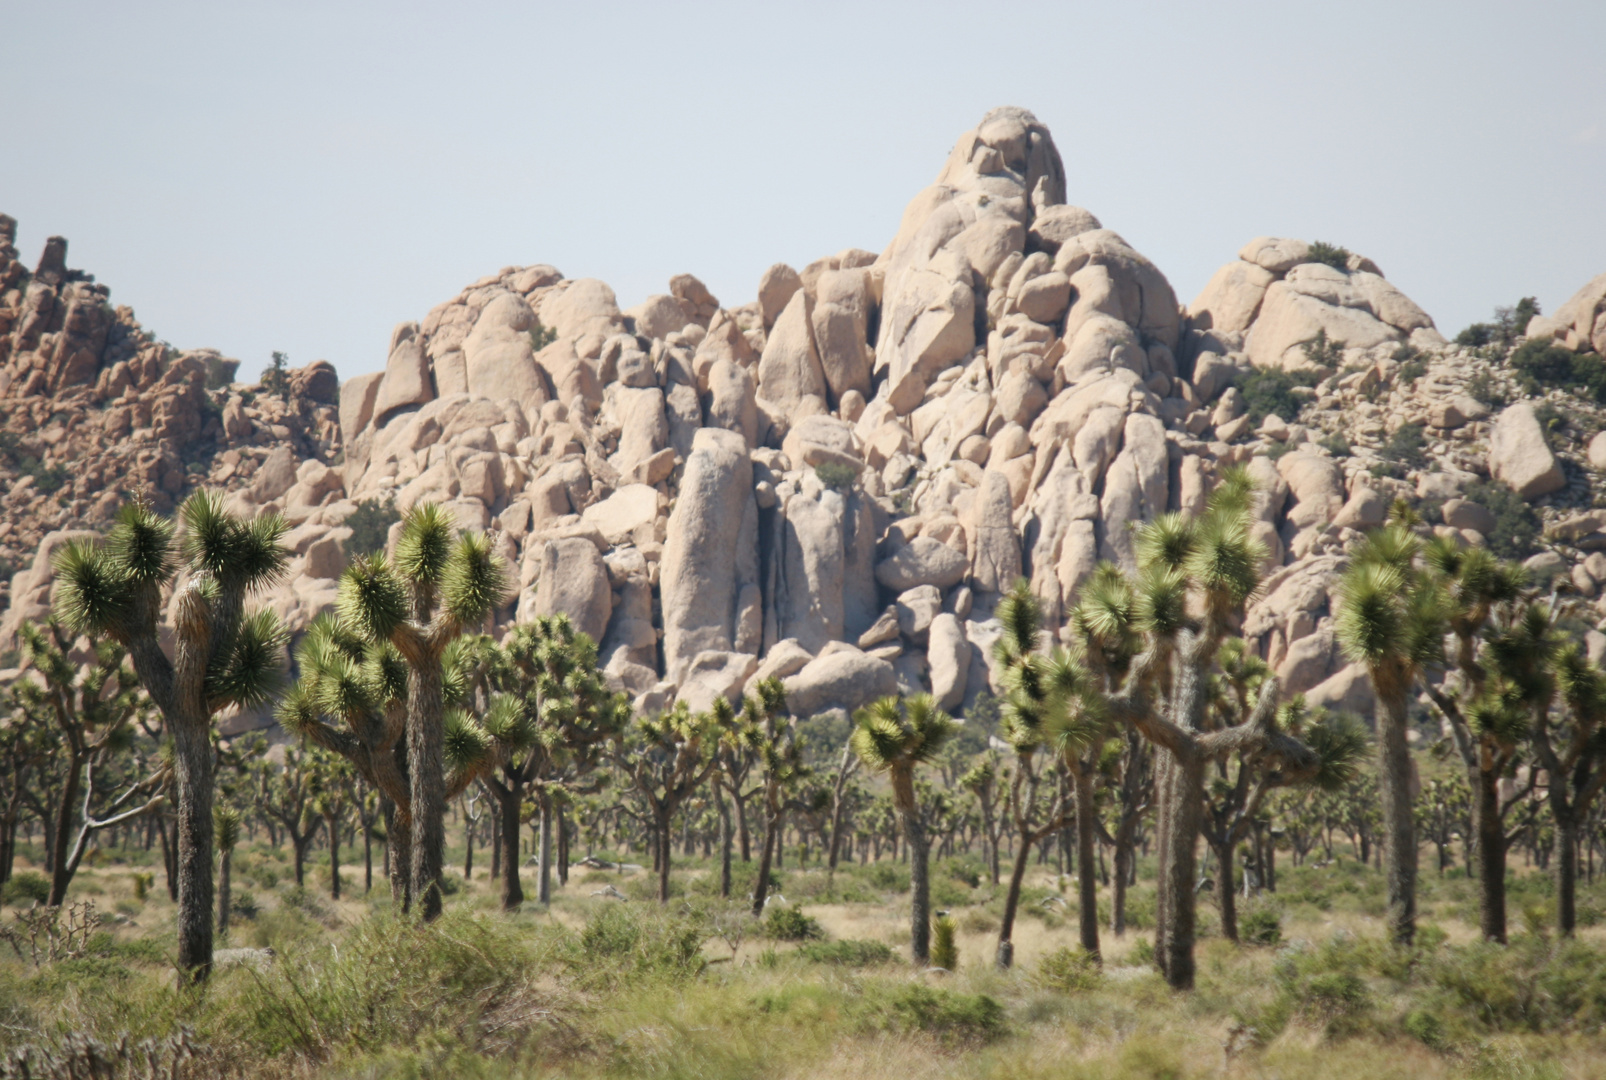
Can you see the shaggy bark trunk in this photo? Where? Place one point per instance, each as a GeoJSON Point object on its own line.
{"type": "Point", "coordinates": [1123, 869]}
{"type": "Point", "coordinates": [665, 843]}
{"type": "Point", "coordinates": [761, 884]}
{"type": "Point", "coordinates": [724, 839]}
{"type": "Point", "coordinates": [919, 885]}
{"type": "Point", "coordinates": [1086, 837]}
{"type": "Point", "coordinates": [1491, 857]}
{"type": "Point", "coordinates": [333, 828]}
{"type": "Point", "coordinates": [1179, 819]}
{"type": "Point", "coordinates": [1566, 874]}
{"type": "Point", "coordinates": [1225, 892]}
{"type": "Point", "coordinates": [367, 860]}
{"type": "Point", "coordinates": [543, 892]}
{"type": "Point", "coordinates": [72, 783]}
{"type": "Point", "coordinates": [192, 759]}
{"type": "Point", "coordinates": [425, 716]}
{"type": "Point", "coordinates": [508, 806]}
{"type": "Point", "coordinates": [1006, 928]}
{"type": "Point", "coordinates": [398, 855]}
{"type": "Point", "coordinates": [1399, 823]}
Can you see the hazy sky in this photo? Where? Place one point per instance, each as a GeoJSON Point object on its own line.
{"type": "Point", "coordinates": [303, 177]}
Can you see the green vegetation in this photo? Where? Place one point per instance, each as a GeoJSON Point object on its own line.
{"type": "Point", "coordinates": [370, 526]}
{"type": "Point", "coordinates": [1540, 367]}
{"type": "Point", "coordinates": [541, 336]}
{"type": "Point", "coordinates": [276, 377]}
{"type": "Point", "coordinates": [1509, 324]}
{"type": "Point", "coordinates": [1324, 352]}
{"type": "Point", "coordinates": [1517, 525]}
{"type": "Point", "coordinates": [1269, 391]}
{"type": "Point", "coordinates": [1330, 255]}
{"type": "Point", "coordinates": [47, 479]}
{"type": "Point", "coordinates": [836, 475]}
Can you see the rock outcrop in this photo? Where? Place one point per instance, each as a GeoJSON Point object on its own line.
{"type": "Point", "coordinates": [833, 483]}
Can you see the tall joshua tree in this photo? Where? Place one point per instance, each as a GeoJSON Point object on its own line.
{"type": "Point", "coordinates": [1573, 751]}
{"type": "Point", "coordinates": [438, 586]}
{"type": "Point", "coordinates": [221, 657]}
{"type": "Point", "coordinates": [1197, 574]}
{"type": "Point", "coordinates": [768, 732]}
{"type": "Point", "coordinates": [1393, 621]}
{"type": "Point", "coordinates": [896, 738]}
{"type": "Point", "coordinates": [667, 758]}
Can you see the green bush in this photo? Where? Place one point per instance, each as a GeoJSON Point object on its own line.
{"type": "Point", "coordinates": [1261, 925]}
{"type": "Point", "coordinates": [789, 923]}
{"type": "Point", "coordinates": [1516, 531]}
{"type": "Point", "coordinates": [370, 526]}
{"type": "Point", "coordinates": [836, 475]}
{"type": "Point", "coordinates": [541, 336]}
{"type": "Point", "coordinates": [1540, 365]}
{"type": "Point", "coordinates": [1406, 447]}
{"type": "Point", "coordinates": [1068, 969]}
{"type": "Point", "coordinates": [953, 1017]}
{"type": "Point", "coordinates": [1270, 391]}
{"type": "Point", "coordinates": [854, 954]}
{"type": "Point", "coordinates": [1481, 387]}
{"type": "Point", "coordinates": [888, 876]}
{"type": "Point", "coordinates": [26, 887]}
{"type": "Point", "coordinates": [619, 943]}
{"type": "Point", "coordinates": [1330, 255]}
{"type": "Point", "coordinates": [1324, 352]}
{"type": "Point", "coordinates": [1337, 445]}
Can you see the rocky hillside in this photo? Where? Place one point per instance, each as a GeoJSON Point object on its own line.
{"type": "Point", "coordinates": [833, 482]}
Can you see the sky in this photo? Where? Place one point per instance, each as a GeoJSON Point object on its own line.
{"type": "Point", "coordinates": [302, 177]}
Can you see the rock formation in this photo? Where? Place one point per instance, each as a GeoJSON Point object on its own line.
{"type": "Point", "coordinates": [832, 483]}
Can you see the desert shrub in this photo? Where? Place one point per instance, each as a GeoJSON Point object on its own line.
{"type": "Point", "coordinates": [950, 892]}
{"type": "Point", "coordinates": [1516, 531]}
{"type": "Point", "coordinates": [977, 920]}
{"type": "Point", "coordinates": [836, 475]}
{"type": "Point", "coordinates": [26, 887]}
{"type": "Point", "coordinates": [1330, 255]}
{"type": "Point", "coordinates": [888, 876]}
{"type": "Point", "coordinates": [1267, 391]}
{"type": "Point", "coordinates": [852, 953]}
{"type": "Point", "coordinates": [1336, 444]}
{"type": "Point", "coordinates": [1540, 366]}
{"type": "Point", "coordinates": [392, 984]}
{"type": "Point", "coordinates": [541, 336]}
{"type": "Point", "coordinates": [370, 526]}
{"type": "Point", "coordinates": [788, 923]}
{"type": "Point", "coordinates": [243, 905]}
{"type": "Point", "coordinates": [1533, 985]}
{"type": "Point", "coordinates": [951, 1016]}
{"type": "Point", "coordinates": [620, 943]}
{"type": "Point", "coordinates": [1323, 351]}
{"type": "Point", "coordinates": [276, 377]}
{"type": "Point", "coordinates": [1481, 387]}
{"type": "Point", "coordinates": [1262, 924]}
{"type": "Point", "coordinates": [1066, 970]}
{"type": "Point", "coordinates": [945, 943]}
{"type": "Point", "coordinates": [1406, 446]}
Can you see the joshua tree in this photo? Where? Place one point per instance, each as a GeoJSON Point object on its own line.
{"type": "Point", "coordinates": [331, 791]}
{"type": "Point", "coordinates": [1197, 575]}
{"type": "Point", "coordinates": [226, 825]}
{"type": "Point", "coordinates": [982, 781]}
{"type": "Point", "coordinates": [768, 733]}
{"type": "Point", "coordinates": [350, 701]}
{"type": "Point", "coordinates": [667, 758]}
{"type": "Point", "coordinates": [1393, 622]}
{"type": "Point", "coordinates": [221, 657]}
{"type": "Point", "coordinates": [92, 708]}
{"type": "Point", "coordinates": [1035, 804]}
{"type": "Point", "coordinates": [286, 795]}
{"type": "Point", "coordinates": [896, 738]}
{"type": "Point", "coordinates": [549, 718]}
{"type": "Point", "coordinates": [1573, 751]}
{"type": "Point", "coordinates": [436, 588]}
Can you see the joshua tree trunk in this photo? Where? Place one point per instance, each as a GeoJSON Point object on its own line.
{"type": "Point", "coordinates": [192, 759]}
{"type": "Point", "coordinates": [398, 855]}
{"type": "Point", "coordinates": [666, 845]}
{"type": "Point", "coordinates": [1123, 869]}
{"type": "Point", "coordinates": [1566, 874]}
{"type": "Point", "coordinates": [1179, 815]}
{"type": "Point", "coordinates": [1087, 883]}
{"type": "Point", "coordinates": [367, 860]}
{"type": "Point", "coordinates": [425, 756]}
{"type": "Point", "coordinates": [724, 839]}
{"type": "Point", "coordinates": [1225, 893]}
{"type": "Point", "coordinates": [761, 885]}
{"type": "Point", "coordinates": [914, 831]}
{"type": "Point", "coordinates": [543, 892]}
{"type": "Point", "coordinates": [333, 828]}
{"type": "Point", "coordinates": [60, 871]}
{"type": "Point", "coordinates": [508, 806]}
{"type": "Point", "coordinates": [1399, 823]}
{"type": "Point", "coordinates": [1491, 855]}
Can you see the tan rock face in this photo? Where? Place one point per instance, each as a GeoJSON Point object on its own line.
{"type": "Point", "coordinates": [1520, 457]}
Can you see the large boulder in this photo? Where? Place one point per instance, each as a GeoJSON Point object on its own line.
{"type": "Point", "coordinates": [708, 583]}
{"type": "Point", "coordinates": [922, 561]}
{"type": "Point", "coordinates": [1580, 323]}
{"type": "Point", "coordinates": [842, 679]}
{"type": "Point", "coordinates": [789, 370]}
{"type": "Point", "coordinates": [1520, 457]}
{"type": "Point", "coordinates": [948, 654]}
{"type": "Point", "coordinates": [407, 378]}
{"type": "Point", "coordinates": [499, 355]}
{"type": "Point", "coordinates": [574, 582]}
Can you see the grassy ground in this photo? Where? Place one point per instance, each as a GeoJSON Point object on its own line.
{"type": "Point", "coordinates": [596, 987]}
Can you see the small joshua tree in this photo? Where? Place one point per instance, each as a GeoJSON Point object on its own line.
{"type": "Point", "coordinates": [226, 824]}
{"type": "Point", "coordinates": [221, 657]}
{"type": "Point", "coordinates": [897, 737]}
{"type": "Point", "coordinates": [437, 587]}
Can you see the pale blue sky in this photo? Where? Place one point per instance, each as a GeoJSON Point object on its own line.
{"type": "Point", "coordinates": [304, 176]}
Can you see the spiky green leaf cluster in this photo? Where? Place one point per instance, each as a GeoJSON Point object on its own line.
{"type": "Point", "coordinates": [890, 733]}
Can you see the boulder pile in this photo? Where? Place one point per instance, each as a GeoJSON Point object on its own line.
{"type": "Point", "coordinates": [833, 483]}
